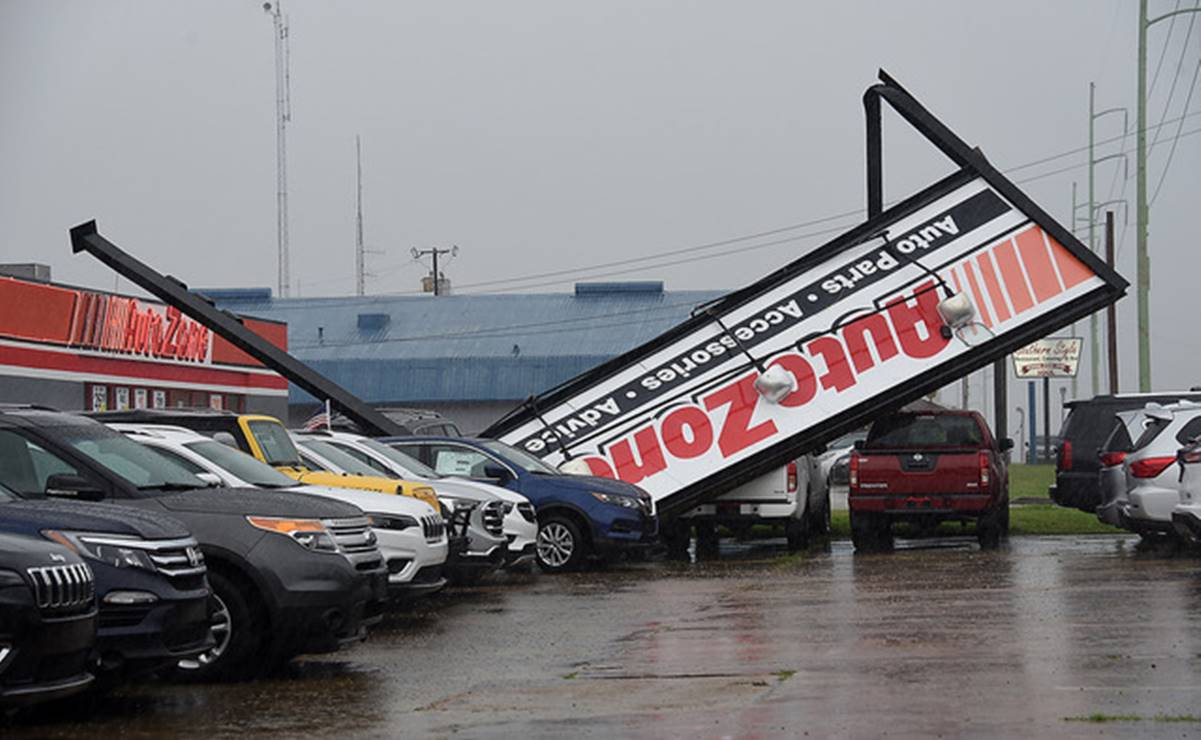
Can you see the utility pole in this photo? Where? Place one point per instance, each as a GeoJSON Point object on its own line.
{"type": "Point", "coordinates": [435, 252]}
{"type": "Point", "coordinates": [283, 114]}
{"type": "Point", "coordinates": [360, 257]}
{"type": "Point", "coordinates": [1094, 346]}
{"type": "Point", "coordinates": [1073, 221]}
{"type": "Point", "coordinates": [1111, 310]}
{"type": "Point", "coordinates": [1142, 211]}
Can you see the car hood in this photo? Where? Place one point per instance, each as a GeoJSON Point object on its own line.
{"type": "Point", "coordinates": [253, 501]}
{"type": "Point", "coordinates": [499, 492]}
{"type": "Point", "coordinates": [381, 503]}
{"type": "Point", "coordinates": [83, 516]}
{"type": "Point", "coordinates": [592, 483]}
{"type": "Point", "coordinates": [18, 553]}
{"type": "Point", "coordinates": [459, 488]}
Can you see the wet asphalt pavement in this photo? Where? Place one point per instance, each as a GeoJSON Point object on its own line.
{"type": "Point", "coordinates": [937, 638]}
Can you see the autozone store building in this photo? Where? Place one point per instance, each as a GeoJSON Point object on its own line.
{"type": "Point", "coordinates": [77, 349]}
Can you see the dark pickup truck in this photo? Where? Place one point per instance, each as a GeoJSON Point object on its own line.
{"type": "Point", "coordinates": [925, 468]}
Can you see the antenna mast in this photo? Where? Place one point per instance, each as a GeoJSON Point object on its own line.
{"type": "Point", "coordinates": [360, 256]}
{"type": "Point", "coordinates": [283, 115]}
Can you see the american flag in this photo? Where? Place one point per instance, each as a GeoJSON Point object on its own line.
{"type": "Point", "coordinates": [321, 419]}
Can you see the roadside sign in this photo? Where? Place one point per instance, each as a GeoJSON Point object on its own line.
{"type": "Point", "coordinates": [1054, 357]}
{"type": "Point", "coordinates": [854, 328]}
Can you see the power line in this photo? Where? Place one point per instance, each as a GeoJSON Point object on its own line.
{"type": "Point", "coordinates": [1163, 53]}
{"type": "Point", "coordinates": [1175, 78]}
{"type": "Point", "coordinates": [579, 272]}
{"type": "Point", "coordinates": [1172, 152]}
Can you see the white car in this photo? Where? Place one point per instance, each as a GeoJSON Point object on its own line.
{"type": "Point", "coordinates": [477, 516]}
{"type": "Point", "coordinates": [410, 533]}
{"type": "Point", "coordinates": [1152, 476]}
{"type": "Point", "coordinates": [520, 520]}
{"type": "Point", "coordinates": [1186, 517]}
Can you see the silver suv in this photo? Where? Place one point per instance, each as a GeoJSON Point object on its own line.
{"type": "Point", "coordinates": [1152, 487]}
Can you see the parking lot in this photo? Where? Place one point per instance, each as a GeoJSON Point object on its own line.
{"type": "Point", "coordinates": [937, 638]}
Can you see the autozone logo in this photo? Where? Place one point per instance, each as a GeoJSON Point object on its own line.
{"type": "Point", "coordinates": [111, 323]}
{"type": "Point", "coordinates": [1007, 278]}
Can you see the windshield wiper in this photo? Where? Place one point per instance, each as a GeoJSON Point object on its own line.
{"type": "Point", "coordinates": [173, 486]}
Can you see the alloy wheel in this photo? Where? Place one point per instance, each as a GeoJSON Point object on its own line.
{"type": "Point", "coordinates": [555, 544]}
{"type": "Point", "coordinates": [221, 625]}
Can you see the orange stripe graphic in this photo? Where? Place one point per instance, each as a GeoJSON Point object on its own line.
{"type": "Point", "coordinates": [994, 287]}
{"type": "Point", "coordinates": [970, 274]}
{"type": "Point", "coordinates": [1011, 271]}
{"type": "Point", "coordinates": [1073, 270]}
{"type": "Point", "coordinates": [1038, 264]}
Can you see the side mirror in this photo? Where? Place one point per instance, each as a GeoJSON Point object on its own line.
{"type": "Point", "coordinates": [859, 444]}
{"type": "Point", "coordinates": [210, 478]}
{"type": "Point", "coordinates": [499, 472]}
{"type": "Point", "coordinates": [818, 450]}
{"type": "Point", "coordinates": [70, 486]}
{"type": "Point", "coordinates": [1006, 444]}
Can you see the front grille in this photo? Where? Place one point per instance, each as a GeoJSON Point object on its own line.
{"type": "Point", "coordinates": [356, 540]}
{"type": "Point", "coordinates": [433, 527]}
{"type": "Point", "coordinates": [63, 589]}
{"type": "Point", "coordinates": [527, 512]}
{"type": "Point", "coordinates": [176, 559]}
{"type": "Point", "coordinates": [494, 518]}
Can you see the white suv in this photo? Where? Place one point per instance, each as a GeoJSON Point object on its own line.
{"type": "Point", "coordinates": [1152, 476]}
{"type": "Point", "coordinates": [520, 521]}
{"type": "Point", "coordinates": [410, 533]}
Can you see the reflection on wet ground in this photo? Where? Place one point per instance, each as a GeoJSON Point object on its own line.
{"type": "Point", "coordinates": [934, 638]}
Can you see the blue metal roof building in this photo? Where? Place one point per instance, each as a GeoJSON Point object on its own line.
{"type": "Point", "coordinates": [472, 357]}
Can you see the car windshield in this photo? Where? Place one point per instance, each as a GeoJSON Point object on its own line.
{"type": "Point", "coordinates": [144, 468]}
{"type": "Point", "coordinates": [523, 460]}
{"type": "Point", "coordinates": [924, 430]}
{"type": "Point", "coordinates": [408, 463]}
{"type": "Point", "coordinates": [275, 443]}
{"type": "Point", "coordinates": [339, 459]}
{"type": "Point", "coordinates": [240, 464]}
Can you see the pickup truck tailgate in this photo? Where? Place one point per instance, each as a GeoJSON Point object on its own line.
{"type": "Point", "coordinates": [911, 472]}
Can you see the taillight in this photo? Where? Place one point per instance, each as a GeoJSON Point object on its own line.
{"type": "Point", "coordinates": [791, 477]}
{"type": "Point", "coordinates": [1191, 456]}
{"type": "Point", "coordinates": [1065, 455]}
{"type": "Point", "coordinates": [1150, 467]}
{"type": "Point", "coordinates": [1110, 459]}
{"type": "Point", "coordinates": [984, 469]}
{"type": "Point", "coordinates": [853, 472]}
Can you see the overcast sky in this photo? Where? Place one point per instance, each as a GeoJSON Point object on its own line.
{"type": "Point", "coordinates": [553, 135]}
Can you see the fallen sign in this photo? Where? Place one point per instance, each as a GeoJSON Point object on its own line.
{"type": "Point", "coordinates": [941, 284]}
{"type": "Point", "coordinates": [1049, 358]}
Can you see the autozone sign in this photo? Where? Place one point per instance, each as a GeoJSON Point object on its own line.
{"type": "Point", "coordinates": [855, 324]}
{"type": "Point", "coordinates": [112, 323]}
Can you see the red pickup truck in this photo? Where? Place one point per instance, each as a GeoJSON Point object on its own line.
{"type": "Point", "coordinates": [925, 468]}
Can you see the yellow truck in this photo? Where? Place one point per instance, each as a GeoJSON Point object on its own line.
{"type": "Point", "coordinates": [266, 438]}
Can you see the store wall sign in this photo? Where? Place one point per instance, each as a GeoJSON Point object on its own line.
{"type": "Point", "coordinates": [1053, 357]}
{"type": "Point", "coordinates": [111, 323]}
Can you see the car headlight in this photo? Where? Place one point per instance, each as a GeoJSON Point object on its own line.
{"type": "Point", "coordinates": [626, 502]}
{"type": "Point", "coordinates": [119, 551]}
{"type": "Point", "coordinates": [310, 534]}
{"type": "Point", "coordinates": [394, 522]}
{"type": "Point", "coordinates": [454, 503]}
{"type": "Point", "coordinates": [10, 578]}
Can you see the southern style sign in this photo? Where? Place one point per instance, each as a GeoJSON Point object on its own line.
{"type": "Point", "coordinates": [1049, 358]}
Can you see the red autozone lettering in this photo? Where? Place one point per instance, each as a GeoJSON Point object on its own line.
{"type": "Point", "coordinates": [725, 418]}
{"type": "Point", "coordinates": [123, 325]}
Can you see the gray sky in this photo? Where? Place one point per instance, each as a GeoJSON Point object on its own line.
{"type": "Point", "coordinates": [552, 135]}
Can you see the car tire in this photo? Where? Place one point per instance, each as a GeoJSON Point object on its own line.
{"type": "Point", "coordinates": [870, 532]}
{"type": "Point", "coordinates": [238, 628]}
{"type": "Point", "coordinates": [796, 531]}
{"type": "Point", "coordinates": [707, 541]}
{"type": "Point", "coordinates": [561, 546]}
{"type": "Point", "coordinates": [675, 537]}
{"type": "Point", "coordinates": [989, 528]}
{"type": "Point", "coordinates": [819, 524]}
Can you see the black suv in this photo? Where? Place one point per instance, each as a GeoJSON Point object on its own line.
{"type": "Point", "coordinates": [149, 574]}
{"type": "Point", "coordinates": [47, 621]}
{"type": "Point", "coordinates": [1089, 423]}
{"type": "Point", "coordinates": [289, 574]}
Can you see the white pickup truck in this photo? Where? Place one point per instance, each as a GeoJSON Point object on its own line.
{"type": "Point", "coordinates": [796, 496]}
